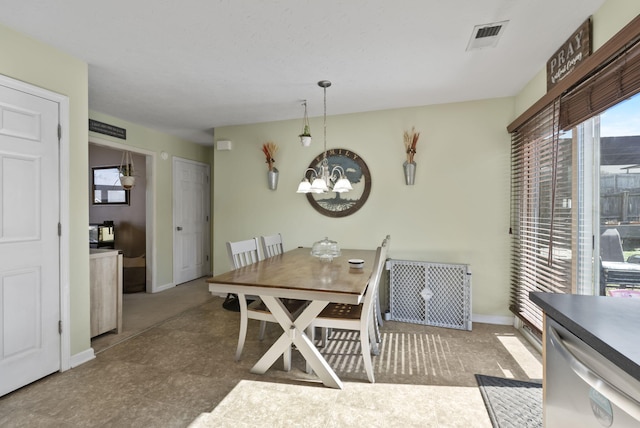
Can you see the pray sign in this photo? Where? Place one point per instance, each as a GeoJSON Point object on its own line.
{"type": "Point", "coordinates": [572, 52]}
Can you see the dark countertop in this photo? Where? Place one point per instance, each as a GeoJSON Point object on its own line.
{"type": "Point", "coordinates": [610, 325]}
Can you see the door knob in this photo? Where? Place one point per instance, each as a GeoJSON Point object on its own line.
{"type": "Point", "coordinates": [179, 228]}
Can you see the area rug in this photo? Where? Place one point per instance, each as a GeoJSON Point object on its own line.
{"type": "Point", "coordinates": [511, 403]}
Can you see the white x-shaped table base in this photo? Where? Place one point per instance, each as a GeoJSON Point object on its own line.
{"type": "Point", "coordinates": [294, 333]}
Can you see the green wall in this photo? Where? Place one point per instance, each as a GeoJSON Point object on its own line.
{"type": "Point", "coordinates": [457, 211]}
{"type": "Point", "coordinates": [30, 61]}
{"type": "Point", "coordinates": [36, 63]}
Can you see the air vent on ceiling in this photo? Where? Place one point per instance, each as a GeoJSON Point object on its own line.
{"type": "Point", "coordinates": [486, 35]}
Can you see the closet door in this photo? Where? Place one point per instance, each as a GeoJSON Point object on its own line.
{"type": "Point", "coordinates": [191, 220]}
{"type": "Point", "coordinates": [29, 241]}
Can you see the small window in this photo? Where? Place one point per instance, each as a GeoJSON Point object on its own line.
{"type": "Point", "coordinates": [107, 189]}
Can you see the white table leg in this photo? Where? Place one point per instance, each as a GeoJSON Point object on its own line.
{"type": "Point", "coordinates": [294, 332]}
{"type": "Point", "coordinates": [286, 321]}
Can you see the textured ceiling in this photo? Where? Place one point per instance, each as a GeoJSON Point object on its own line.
{"type": "Point", "coordinates": [187, 67]}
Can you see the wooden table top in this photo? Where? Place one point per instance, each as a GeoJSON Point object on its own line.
{"type": "Point", "coordinates": [296, 274]}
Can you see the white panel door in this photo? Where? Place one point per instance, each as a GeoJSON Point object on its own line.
{"type": "Point", "coordinates": [191, 220]}
{"type": "Point", "coordinates": [29, 242]}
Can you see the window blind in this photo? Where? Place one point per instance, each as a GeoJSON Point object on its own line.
{"type": "Point", "coordinates": [541, 219]}
{"type": "Point", "coordinates": [614, 81]}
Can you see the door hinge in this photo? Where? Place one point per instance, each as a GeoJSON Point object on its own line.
{"type": "Point", "coordinates": [207, 257]}
{"type": "Point", "coordinates": [207, 218]}
{"type": "Point", "coordinates": [59, 327]}
{"type": "Point", "coordinates": [59, 131]}
{"type": "Point", "coordinates": [59, 229]}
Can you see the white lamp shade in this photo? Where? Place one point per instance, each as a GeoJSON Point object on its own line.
{"type": "Point", "coordinates": [319, 186]}
{"type": "Point", "coordinates": [342, 185]}
{"type": "Point", "coordinates": [304, 187]}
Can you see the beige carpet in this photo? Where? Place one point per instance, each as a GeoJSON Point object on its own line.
{"type": "Point", "coordinates": [141, 311]}
{"type": "Point", "coordinates": [182, 373]}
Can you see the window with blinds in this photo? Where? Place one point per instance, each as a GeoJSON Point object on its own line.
{"type": "Point", "coordinates": [541, 212]}
{"type": "Point", "coordinates": [541, 170]}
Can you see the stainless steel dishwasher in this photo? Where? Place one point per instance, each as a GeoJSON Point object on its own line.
{"type": "Point", "coordinates": [583, 388]}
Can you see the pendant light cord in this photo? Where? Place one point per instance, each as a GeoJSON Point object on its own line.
{"type": "Point", "coordinates": [325, 84]}
{"type": "Point", "coordinates": [325, 123]}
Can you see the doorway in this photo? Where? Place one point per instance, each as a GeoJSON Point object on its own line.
{"type": "Point", "coordinates": [618, 227]}
{"type": "Point", "coordinates": [131, 221]}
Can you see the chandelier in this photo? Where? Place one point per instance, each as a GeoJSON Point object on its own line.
{"type": "Point", "coordinates": [320, 180]}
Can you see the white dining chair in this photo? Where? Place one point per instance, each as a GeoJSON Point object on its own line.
{"type": "Point", "coordinates": [359, 318]}
{"type": "Point", "coordinates": [243, 253]}
{"type": "Point", "coordinates": [272, 245]}
{"type": "Point", "coordinates": [377, 308]}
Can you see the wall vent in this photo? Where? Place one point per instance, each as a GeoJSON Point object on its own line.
{"type": "Point", "coordinates": [486, 35]}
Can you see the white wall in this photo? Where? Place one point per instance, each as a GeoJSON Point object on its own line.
{"type": "Point", "coordinates": [457, 211]}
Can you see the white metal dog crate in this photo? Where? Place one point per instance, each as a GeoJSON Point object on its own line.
{"type": "Point", "coordinates": [436, 294]}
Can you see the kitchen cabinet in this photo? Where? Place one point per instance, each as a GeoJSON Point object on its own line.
{"type": "Point", "coordinates": [105, 268]}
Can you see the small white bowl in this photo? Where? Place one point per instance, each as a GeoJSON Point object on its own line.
{"type": "Point", "coordinates": [356, 263]}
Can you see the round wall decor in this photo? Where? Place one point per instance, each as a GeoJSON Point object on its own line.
{"type": "Point", "coordinates": [334, 204]}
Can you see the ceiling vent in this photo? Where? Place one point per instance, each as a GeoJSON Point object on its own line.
{"type": "Point", "coordinates": [486, 35]}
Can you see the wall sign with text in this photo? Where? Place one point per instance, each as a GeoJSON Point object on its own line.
{"type": "Point", "coordinates": [575, 50]}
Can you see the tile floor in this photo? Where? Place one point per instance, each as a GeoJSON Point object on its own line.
{"type": "Point", "coordinates": [181, 373]}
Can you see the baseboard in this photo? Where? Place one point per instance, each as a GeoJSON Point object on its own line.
{"type": "Point", "coordinates": [164, 287]}
{"type": "Point", "coordinates": [526, 332]}
{"type": "Point", "coordinates": [493, 319]}
{"type": "Point", "coordinates": [82, 357]}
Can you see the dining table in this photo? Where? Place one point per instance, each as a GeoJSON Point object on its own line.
{"type": "Point", "coordinates": [296, 274]}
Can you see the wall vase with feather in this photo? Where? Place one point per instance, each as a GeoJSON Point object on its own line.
{"type": "Point", "coordinates": [269, 149]}
{"type": "Point", "coordinates": [410, 142]}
